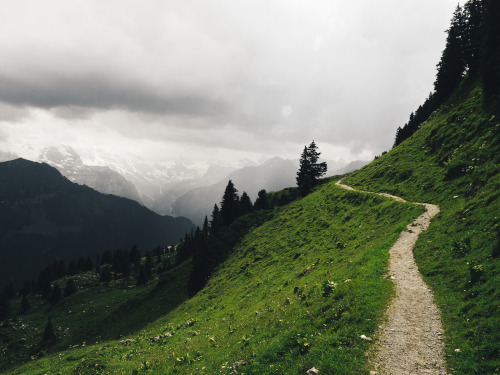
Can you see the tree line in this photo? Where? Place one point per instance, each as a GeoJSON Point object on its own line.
{"type": "Point", "coordinates": [207, 246]}
{"type": "Point", "coordinates": [473, 48]}
{"type": "Point", "coordinates": [210, 245]}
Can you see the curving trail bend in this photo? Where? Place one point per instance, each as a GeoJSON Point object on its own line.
{"type": "Point", "coordinates": [410, 339]}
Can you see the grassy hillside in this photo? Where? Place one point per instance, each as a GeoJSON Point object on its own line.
{"type": "Point", "coordinates": [297, 292]}
{"type": "Point", "coordinates": [96, 312]}
{"type": "Point", "coordinates": [454, 161]}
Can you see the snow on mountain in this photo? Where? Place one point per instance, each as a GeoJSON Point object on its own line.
{"type": "Point", "coordinates": [100, 178]}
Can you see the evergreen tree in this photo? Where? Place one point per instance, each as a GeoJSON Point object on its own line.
{"type": "Point", "coordinates": [216, 221]}
{"type": "Point", "coordinates": [56, 295]}
{"type": "Point", "coordinates": [473, 34]}
{"type": "Point", "coordinates": [205, 229]}
{"type": "Point", "coordinates": [229, 206]}
{"type": "Point", "coordinates": [4, 306]}
{"type": "Point", "coordinates": [309, 170]}
{"type": "Point", "coordinates": [70, 288]}
{"type": "Point", "coordinates": [148, 265]}
{"type": "Point", "coordinates": [142, 276]}
{"type": "Point", "coordinates": [135, 257]}
{"type": "Point", "coordinates": [245, 204]}
{"type": "Point", "coordinates": [9, 291]}
{"type": "Point", "coordinates": [452, 65]}
{"type": "Point", "coordinates": [72, 268]}
{"type": "Point", "coordinates": [203, 264]}
{"type": "Point", "coordinates": [490, 64]}
{"type": "Point", "coordinates": [106, 273]}
{"type": "Point", "coordinates": [25, 289]}
{"type": "Point", "coordinates": [48, 332]}
{"type": "Point", "coordinates": [262, 201]}
{"type": "Point", "coordinates": [25, 305]}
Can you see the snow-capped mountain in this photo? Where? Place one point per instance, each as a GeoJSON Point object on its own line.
{"type": "Point", "coordinates": [160, 183]}
{"type": "Point", "coordinates": [100, 178]}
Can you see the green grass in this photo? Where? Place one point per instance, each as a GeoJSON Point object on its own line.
{"type": "Point", "coordinates": [297, 292]}
{"type": "Point", "coordinates": [454, 161]}
{"type": "Point", "coordinates": [98, 311]}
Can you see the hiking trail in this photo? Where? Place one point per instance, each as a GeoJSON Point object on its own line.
{"type": "Point", "coordinates": [409, 341]}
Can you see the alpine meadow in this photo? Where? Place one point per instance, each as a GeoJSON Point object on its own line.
{"type": "Point", "coordinates": [301, 280]}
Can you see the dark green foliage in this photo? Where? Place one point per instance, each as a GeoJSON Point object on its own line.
{"type": "Point", "coordinates": [473, 34]}
{"type": "Point", "coordinates": [204, 261]}
{"type": "Point", "coordinates": [70, 288]}
{"type": "Point", "coordinates": [229, 207]}
{"type": "Point", "coordinates": [148, 265]}
{"type": "Point", "coordinates": [309, 170]}
{"type": "Point", "coordinates": [416, 119]}
{"type": "Point", "coordinates": [8, 290]}
{"type": "Point", "coordinates": [245, 204]}
{"type": "Point", "coordinates": [56, 294]}
{"type": "Point", "coordinates": [490, 62]}
{"type": "Point", "coordinates": [25, 305]}
{"type": "Point", "coordinates": [135, 256]}
{"type": "Point", "coordinates": [261, 203]}
{"type": "Point", "coordinates": [142, 276]}
{"type": "Point", "coordinates": [452, 65]}
{"type": "Point", "coordinates": [4, 306]}
{"type": "Point", "coordinates": [106, 274]}
{"type": "Point", "coordinates": [48, 333]}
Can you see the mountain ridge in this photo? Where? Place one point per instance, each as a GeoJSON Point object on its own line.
{"type": "Point", "coordinates": [45, 217]}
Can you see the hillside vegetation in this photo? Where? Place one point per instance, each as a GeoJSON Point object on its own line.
{"type": "Point", "coordinates": [297, 292]}
{"type": "Point", "coordinates": [453, 160]}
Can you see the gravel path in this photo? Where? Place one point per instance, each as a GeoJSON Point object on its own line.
{"type": "Point", "coordinates": [410, 339]}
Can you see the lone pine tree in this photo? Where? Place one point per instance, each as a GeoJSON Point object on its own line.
{"type": "Point", "coordinates": [310, 170]}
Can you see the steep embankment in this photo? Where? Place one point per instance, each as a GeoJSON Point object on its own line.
{"type": "Point", "coordinates": [298, 292]}
{"type": "Point", "coordinates": [453, 160]}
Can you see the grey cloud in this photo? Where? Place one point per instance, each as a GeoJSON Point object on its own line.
{"type": "Point", "coordinates": [350, 72]}
{"type": "Point", "coordinates": [91, 92]}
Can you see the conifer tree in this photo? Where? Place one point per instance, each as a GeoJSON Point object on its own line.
{"type": "Point", "coordinates": [216, 221]}
{"type": "Point", "coordinates": [309, 170]}
{"type": "Point", "coordinates": [142, 276]}
{"type": "Point", "coordinates": [452, 65]}
{"type": "Point", "coordinates": [4, 306]}
{"type": "Point", "coordinates": [229, 206]}
{"type": "Point", "coordinates": [262, 201]}
{"type": "Point", "coordinates": [490, 58]}
{"type": "Point", "coordinates": [245, 204]}
{"type": "Point", "coordinates": [25, 305]}
{"type": "Point", "coordinates": [56, 295]}
{"type": "Point", "coordinates": [48, 332]}
{"type": "Point", "coordinates": [70, 288]}
{"type": "Point", "coordinates": [106, 274]}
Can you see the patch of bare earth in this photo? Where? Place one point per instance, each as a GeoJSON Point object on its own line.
{"type": "Point", "coordinates": [410, 340]}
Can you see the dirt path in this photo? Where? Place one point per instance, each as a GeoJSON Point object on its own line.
{"type": "Point", "coordinates": [410, 340]}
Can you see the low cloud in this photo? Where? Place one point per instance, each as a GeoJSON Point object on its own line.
{"type": "Point", "coordinates": [259, 76]}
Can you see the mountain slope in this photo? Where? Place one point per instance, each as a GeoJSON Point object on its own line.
{"type": "Point", "coordinates": [297, 292]}
{"type": "Point", "coordinates": [453, 160]}
{"type": "Point", "coordinates": [44, 217]}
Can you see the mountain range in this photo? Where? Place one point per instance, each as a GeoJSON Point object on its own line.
{"type": "Point", "coordinates": [46, 217]}
{"type": "Point", "coordinates": [175, 188]}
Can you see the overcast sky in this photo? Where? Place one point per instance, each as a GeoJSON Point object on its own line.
{"type": "Point", "coordinates": [221, 79]}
